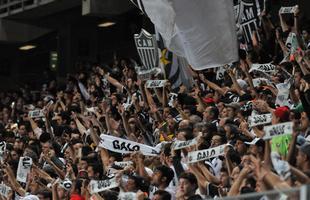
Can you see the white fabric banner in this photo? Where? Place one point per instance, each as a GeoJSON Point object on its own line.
{"type": "Point", "coordinates": [258, 81]}
{"type": "Point", "coordinates": [123, 164]}
{"type": "Point", "coordinates": [196, 156]}
{"type": "Point", "coordinates": [291, 43]}
{"type": "Point", "coordinates": [23, 169]}
{"type": "Point", "coordinates": [260, 119]}
{"type": "Point", "coordinates": [183, 144]}
{"type": "Point", "coordinates": [102, 185]}
{"type": "Point", "coordinates": [4, 190]}
{"type": "Point", "coordinates": [191, 30]}
{"type": "Point", "coordinates": [127, 196]}
{"type": "Point", "coordinates": [282, 167]}
{"type": "Point", "coordinates": [220, 71]}
{"type": "Point", "coordinates": [155, 83]}
{"type": "Point", "coordinates": [278, 129]}
{"type": "Point", "coordinates": [287, 10]}
{"type": "Point", "coordinates": [36, 114]}
{"type": "Point", "coordinates": [267, 68]}
{"type": "Point", "coordinates": [120, 145]}
{"type": "Point", "coordinates": [2, 150]}
{"type": "Point", "coordinates": [283, 93]}
{"type": "Point", "coordinates": [84, 91]}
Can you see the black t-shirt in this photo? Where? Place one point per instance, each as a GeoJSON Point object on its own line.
{"type": "Point", "coordinates": [212, 190]}
{"type": "Point", "coordinates": [195, 197]}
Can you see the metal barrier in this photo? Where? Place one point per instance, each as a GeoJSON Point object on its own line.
{"type": "Point", "coordinates": [299, 193]}
{"type": "Point", "coordinates": [10, 7]}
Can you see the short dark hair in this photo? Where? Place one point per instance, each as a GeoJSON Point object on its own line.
{"type": "Point", "coordinates": [164, 195]}
{"type": "Point", "coordinates": [215, 112]}
{"type": "Point", "coordinates": [190, 177]}
{"type": "Point", "coordinates": [166, 172]}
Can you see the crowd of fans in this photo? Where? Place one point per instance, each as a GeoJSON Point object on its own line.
{"type": "Point", "coordinates": [63, 141]}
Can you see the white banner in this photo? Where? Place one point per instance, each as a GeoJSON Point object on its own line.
{"type": "Point", "coordinates": [183, 144]}
{"type": "Point", "coordinates": [258, 81]}
{"type": "Point", "coordinates": [260, 119]}
{"type": "Point", "coordinates": [4, 190]}
{"type": "Point", "coordinates": [23, 169]}
{"type": "Point", "coordinates": [155, 83]}
{"type": "Point", "coordinates": [123, 164]}
{"type": "Point", "coordinates": [267, 68]}
{"type": "Point", "coordinates": [127, 196]}
{"type": "Point", "coordinates": [278, 129]}
{"type": "Point", "coordinates": [220, 73]}
{"type": "Point", "coordinates": [287, 10]}
{"type": "Point", "coordinates": [120, 145]}
{"type": "Point", "coordinates": [291, 43]}
{"type": "Point", "coordinates": [196, 156]}
{"type": "Point", "coordinates": [36, 114]}
{"type": "Point", "coordinates": [283, 93]}
{"type": "Point", "coordinates": [102, 185]}
{"type": "Point", "coordinates": [2, 150]}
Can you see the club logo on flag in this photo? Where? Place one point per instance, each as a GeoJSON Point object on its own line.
{"type": "Point", "coordinates": [147, 49]}
{"type": "Point", "coordinates": [247, 17]}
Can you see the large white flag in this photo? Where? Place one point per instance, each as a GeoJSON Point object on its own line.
{"type": "Point", "coordinates": [202, 31]}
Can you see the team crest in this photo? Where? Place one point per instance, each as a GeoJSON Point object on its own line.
{"type": "Point", "coordinates": [147, 48]}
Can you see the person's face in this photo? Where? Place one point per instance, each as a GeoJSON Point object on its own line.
{"type": "Point", "coordinates": [220, 106]}
{"type": "Point", "coordinates": [301, 159]}
{"type": "Point", "coordinates": [230, 112]}
{"type": "Point", "coordinates": [18, 144]}
{"type": "Point", "coordinates": [240, 147]}
{"type": "Point", "coordinates": [129, 83]}
{"type": "Point", "coordinates": [58, 120]}
{"type": "Point", "coordinates": [304, 121]}
{"type": "Point", "coordinates": [253, 149]}
{"type": "Point", "coordinates": [45, 148]}
{"type": "Point", "coordinates": [156, 197]}
{"type": "Point", "coordinates": [130, 185]}
{"type": "Point", "coordinates": [73, 125]}
{"type": "Point", "coordinates": [297, 78]}
{"type": "Point", "coordinates": [14, 155]}
{"type": "Point", "coordinates": [207, 116]}
{"type": "Point", "coordinates": [224, 113]}
{"type": "Point", "coordinates": [228, 131]}
{"type": "Point", "coordinates": [82, 165]}
{"type": "Point", "coordinates": [166, 112]}
{"type": "Point", "coordinates": [113, 100]}
{"type": "Point", "coordinates": [183, 124]}
{"type": "Point", "coordinates": [156, 178]}
{"type": "Point", "coordinates": [22, 130]}
{"type": "Point", "coordinates": [305, 35]}
{"type": "Point", "coordinates": [216, 141]}
{"type": "Point", "coordinates": [187, 112]}
{"type": "Point", "coordinates": [186, 187]}
{"type": "Point", "coordinates": [132, 123]}
{"type": "Point", "coordinates": [90, 172]}
{"type": "Point", "coordinates": [224, 179]}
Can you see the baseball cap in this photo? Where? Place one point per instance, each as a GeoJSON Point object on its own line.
{"type": "Point", "coordinates": [283, 113]}
{"type": "Point", "coordinates": [208, 100]}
